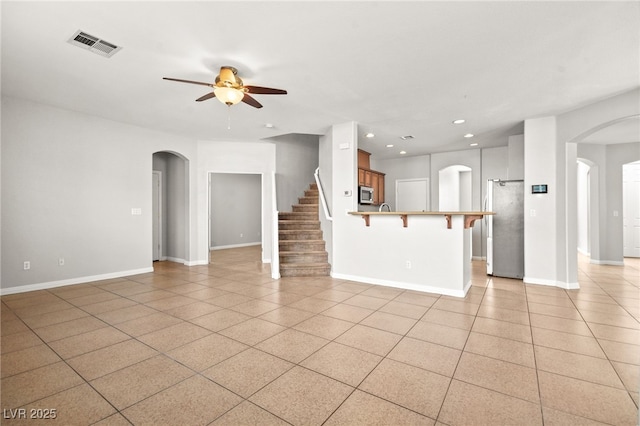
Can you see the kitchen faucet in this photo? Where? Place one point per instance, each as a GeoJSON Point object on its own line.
{"type": "Point", "coordinates": [385, 204]}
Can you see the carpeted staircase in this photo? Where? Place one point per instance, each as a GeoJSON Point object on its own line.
{"type": "Point", "coordinates": [302, 248]}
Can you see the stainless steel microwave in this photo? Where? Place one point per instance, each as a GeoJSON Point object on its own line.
{"type": "Point", "coordinates": [365, 195]}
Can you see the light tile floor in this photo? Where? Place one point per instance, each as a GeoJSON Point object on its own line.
{"type": "Point", "coordinates": [226, 344]}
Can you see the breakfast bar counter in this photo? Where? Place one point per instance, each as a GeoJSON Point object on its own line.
{"type": "Point", "coordinates": [427, 251]}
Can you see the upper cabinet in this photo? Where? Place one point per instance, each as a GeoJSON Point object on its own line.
{"type": "Point", "coordinates": [370, 178]}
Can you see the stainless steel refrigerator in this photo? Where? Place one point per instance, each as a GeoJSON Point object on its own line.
{"type": "Point", "coordinates": [505, 229]}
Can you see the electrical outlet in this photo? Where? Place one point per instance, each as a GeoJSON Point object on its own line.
{"type": "Point", "coordinates": [407, 264]}
{"type": "Point", "coordinates": [26, 265]}
{"type": "Point", "coordinates": [241, 235]}
{"type": "Point", "coordinates": [61, 261]}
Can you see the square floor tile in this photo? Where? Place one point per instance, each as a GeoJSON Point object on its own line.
{"type": "Point", "coordinates": [417, 298]}
{"type": "Point", "coordinates": [255, 307]}
{"type": "Point", "coordinates": [560, 324]}
{"type": "Point", "coordinates": [502, 314]}
{"type": "Point", "coordinates": [248, 414]}
{"type": "Point", "coordinates": [301, 396]}
{"type": "Point", "coordinates": [460, 307]}
{"type": "Point", "coordinates": [207, 351]}
{"type": "Point", "coordinates": [286, 316]}
{"type": "Point", "coordinates": [36, 384]}
{"type": "Point", "coordinates": [292, 345]}
{"type": "Point", "coordinates": [618, 334]}
{"type": "Point", "coordinates": [389, 322]}
{"type": "Point", "coordinates": [559, 418]}
{"type": "Point", "coordinates": [344, 363]}
{"type": "Point", "coordinates": [54, 317]}
{"type": "Point", "coordinates": [440, 334]}
{"type": "Point", "coordinates": [323, 326]}
{"type": "Point", "coordinates": [450, 319]}
{"type": "Point", "coordinates": [501, 376]}
{"type": "Point", "coordinates": [508, 330]}
{"type": "Point", "coordinates": [252, 331]}
{"type": "Point", "coordinates": [629, 374]}
{"type": "Point", "coordinates": [192, 401]}
{"type": "Point", "coordinates": [147, 324]}
{"type": "Point", "coordinates": [430, 356]}
{"type": "Point", "coordinates": [87, 342]}
{"type": "Point", "coordinates": [585, 345]}
{"type": "Point", "coordinates": [348, 312]}
{"type": "Point", "coordinates": [248, 371]}
{"type": "Point", "coordinates": [77, 405]}
{"type": "Point", "coordinates": [18, 341]}
{"type": "Point", "coordinates": [622, 352]}
{"type": "Point", "coordinates": [173, 337]}
{"type": "Point", "coordinates": [125, 387]}
{"type": "Point", "coordinates": [112, 358]}
{"type": "Point", "coordinates": [312, 304]}
{"type": "Point", "coordinates": [590, 400]}
{"type": "Point", "coordinates": [193, 310]}
{"type": "Point", "coordinates": [68, 328]}
{"type": "Point", "coordinates": [220, 320]}
{"type": "Point", "coordinates": [369, 339]}
{"type": "Point", "coordinates": [404, 309]}
{"type": "Point", "coordinates": [27, 359]}
{"type": "Point", "coordinates": [367, 302]}
{"type": "Point", "coordinates": [486, 407]}
{"type": "Point", "coordinates": [591, 369]}
{"type": "Point", "coordinates": [500, 348]}
{"type": "Point", "coordinates": [364, 409]}
{"type": "Point", "coordinates": [410, 387]}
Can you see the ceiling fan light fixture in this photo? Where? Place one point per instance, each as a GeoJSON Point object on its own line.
{"type": "Point", "coordinates": [228, 95]}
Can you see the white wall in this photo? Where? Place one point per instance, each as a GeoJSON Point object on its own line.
{"type": "Point", "coordinates": [69, 182]}
{"type": "Point", "coordinates": [540, 210]}
{"type": "Point", "coordinates": [418, 167]}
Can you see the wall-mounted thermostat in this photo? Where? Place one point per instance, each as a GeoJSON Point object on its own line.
{"type": "Point", "coordinates": [538, 189]}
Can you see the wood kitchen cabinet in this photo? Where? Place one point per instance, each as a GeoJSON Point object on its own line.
{"type": "Point", "coordinates": [370, 178]}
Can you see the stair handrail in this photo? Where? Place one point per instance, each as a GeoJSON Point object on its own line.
{"type": "Point", "coordinates": [327, 214]}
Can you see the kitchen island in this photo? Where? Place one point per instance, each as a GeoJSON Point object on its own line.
{"type": "Point", "coordinates": [423, 251]}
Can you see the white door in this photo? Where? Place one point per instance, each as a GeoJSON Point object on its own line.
{"type": "Point", "coordinates": [412, 195]}
{"type": "Point", "coordinates": [631, 209]}
{"type": "Point", "coordinates": [156, 220]}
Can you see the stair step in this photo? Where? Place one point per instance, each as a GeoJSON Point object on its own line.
{"type": "Point", "coordinates": [300, 234]}
{"type": "Point", "coordinates": [311, 193]}
{"type": "Point", "coordinates": [305, 270]}
{"type": "Point", "coordinates": [298, 224]}
{"type": "Point", "coordinates": [313, 186]}
{"type": "Point", "coordinates": [308, 200]}
{"type": "Point", "coordinates": [301, 245]}
{"type": "Point", "coordinates": [298, 215]}
{"type": "Point", "coordinates": [303, 257]}
{"type": "Point", "coordinates": [305, 208]}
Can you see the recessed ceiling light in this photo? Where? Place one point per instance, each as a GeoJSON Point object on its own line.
{"type": "Point", "coordinates": [458, 121]}
{"type": "Point", "coordinates": [406, 137]}
{"type": "Point", "coordinates": [390, 146]}
{"type": "Point", "coordinates": [473, 144]}
{"type": "Point", "coordinates": [269, 126]}
{"type": "Point", "coordinates": [468, 135]}
{"type": "Point", "coordinates": [403, 152]}
{"type": "Point", "coordinates": [369, 135]}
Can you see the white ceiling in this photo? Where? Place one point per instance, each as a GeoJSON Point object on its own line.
{"type": "Point", "coordinates": [396, 68]}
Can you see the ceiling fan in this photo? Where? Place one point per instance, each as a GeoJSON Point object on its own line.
{"type": "Point", "coordinates": [229, 89]}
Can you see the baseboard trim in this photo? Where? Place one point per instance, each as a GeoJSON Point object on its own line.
{"type": "Point", "coordinates": [405, 286]}
{"type": "Point", "coordinates": [235, 246]}
{"type": "Point", "coordinates": [72, 281]}
{"type": "Point", "coordinates": [607, 262]}
{"type": "Point", "coordinates": [551, 283]}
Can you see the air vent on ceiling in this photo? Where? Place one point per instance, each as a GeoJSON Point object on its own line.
{"type": "Point", "coordinates": [94, 44]}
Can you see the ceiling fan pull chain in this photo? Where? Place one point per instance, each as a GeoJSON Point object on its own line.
{"type": "Point", "coordinates": [228, 117]}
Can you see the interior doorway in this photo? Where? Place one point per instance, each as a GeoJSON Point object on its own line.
{"type": "Point", "coordinates": [170, 205]}
{"type": "Point", "coordinates": [235, 210]}
{"type": "Point", "coordinates": [454, 188]}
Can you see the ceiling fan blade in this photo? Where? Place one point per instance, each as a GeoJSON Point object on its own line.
{"type": "Point", "coordinates": [207, 96]}
{"type": "Point", "coordinates": [265, 90]}
{"type": "Point", "coordinates": [251, 101]}
{"type": "Point", "coordinates": [188, 81]}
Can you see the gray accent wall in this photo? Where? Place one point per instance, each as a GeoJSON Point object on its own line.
{"type": "Point", "coordinates": [296, 160]}
{"type": "Point", "coordinates": [235, 208]}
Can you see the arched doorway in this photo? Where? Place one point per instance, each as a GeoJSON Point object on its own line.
{"type": "Point", "coordinates": [170, 207]}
